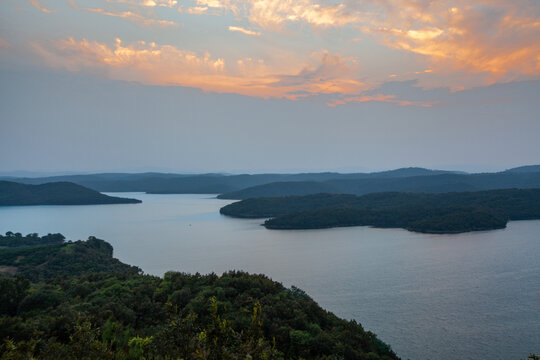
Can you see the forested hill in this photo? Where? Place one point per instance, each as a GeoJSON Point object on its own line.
{"type": "Point", "coordinates": [439, 183]}
{"type": "Point", "coordinates": [430, 213]}
{"type": "Point", "coordinates": [44, 258]}
{"type": "Point", "coordinates": [58, 193]}
{"type": "Point", "coordinates": [84, 310]}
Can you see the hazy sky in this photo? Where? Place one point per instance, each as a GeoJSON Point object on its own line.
{"type": "Point", "coordinates": [268, 85]}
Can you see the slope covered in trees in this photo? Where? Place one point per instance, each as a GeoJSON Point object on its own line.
{"type": "Point", "coordinates": [119, 313]}
{"type": "Point", "coordinates": [430, 213]}
{"type": "Point", "coordinates": [56, 193]}
{"type": "Point", "coordinates": [18, 240]}
{"type": "Point", "coordinates": [45, 259]}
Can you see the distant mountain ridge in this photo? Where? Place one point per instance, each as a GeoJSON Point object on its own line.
{"type": "Point", "coordinates": [525, 169]}
{"type": "Point", "coordinates": [56, 193]}
{"type": "Point", "coordinates": [411, 179]}
{"type": "Point", "coordinates": [164, 183]}
{"type": "Point", "coordinates": [439, 183]}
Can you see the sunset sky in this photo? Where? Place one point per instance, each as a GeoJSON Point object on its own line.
{"type": "Point", "coordinates": [267, 85]}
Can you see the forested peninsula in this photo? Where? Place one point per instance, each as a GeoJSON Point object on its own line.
{"type": "Point", "coordinates": [427, 213]}
{"type": "Point", "coordinates": [55, 193]}
{"type": "Point", "coordinates": [73, 300]}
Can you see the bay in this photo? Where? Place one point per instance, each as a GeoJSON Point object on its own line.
{"type": "Point", "coordinates": [464, 296]}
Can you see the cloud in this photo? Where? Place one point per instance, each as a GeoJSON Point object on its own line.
{"type": "Point", "coordinates": [392, 99]}
{"type": "Point", "coordinates": [327, 74]}
{"type": "Point", "coordinates": [4, 43]}
{"type": "Point", "coordinates": [153, 64]}
{"type": "Point", "coordinates": [244, 31]}
{"type": "Point", "coordinates": [37, 5]}
{"type": "Point", "coordinates": [498, 38]}
{"type": "Point", "coordinates": [141, 59]}
{"type": "Point", "coordinates": [211, 7]}
{"type": "Point", "coordinates": [457, 44]}
{"type": "Point", "coordinates": [133, 15]}
{"type": "Point", "coordinates": [195, 10]}
{"type": "Point", "coordinates": [160, 3]}
{"type": "Point", "coordinates": [214, 3]}
{"type": "Point", "coordinates": [273, 13]}
{"type": "Point", "coordinates": [494, 37]}
{"type": "Point", "coordinates": [143, 62]}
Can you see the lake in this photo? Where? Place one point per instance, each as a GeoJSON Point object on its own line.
{"type": "Point", "coordinates": [467, 296]}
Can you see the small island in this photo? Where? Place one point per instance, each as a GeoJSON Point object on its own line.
{"type": "Point", "coordinates": [55, 193]}
{"type": "Point", "coordinates": [445, 213]}
{"type": "Point", "coordinates": [73, 300]}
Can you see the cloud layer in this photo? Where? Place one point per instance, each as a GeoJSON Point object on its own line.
{"type": "Point", "coordinates": [301, 48]}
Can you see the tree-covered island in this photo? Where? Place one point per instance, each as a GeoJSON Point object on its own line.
{"type": "Point", "coordinates": [428, 213]}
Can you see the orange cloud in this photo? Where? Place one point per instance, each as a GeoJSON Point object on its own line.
{"type": "Point", "coordinates": [460, 43]}
{"type": "Point", "coordinates": [273, 13]}
{"type": "Point", "coordinates": [4, 43]}
{"type": "Point", "coordinates": [37, 5]}
{"type": "Point", "coordinates": [377, 98]}
{"type": "Point", "coordinates": [195, 10]}
{"type": "Point", "coordinates": [327, 74]}
{"type": "Point", "coordinates": [160, 3]}
{"type": "Point", "coordinates": [214, 3]}
{"type": "Point", "coordinates": [493, 37]}
{"type": "Point", "coordinates": [133, 15]}
{"type": "Point", "coordinates": [497, 38]}
{"type": "Point", "coordinates": [244, 31]}
{"type": "Point", "coordinates": [154, 64]}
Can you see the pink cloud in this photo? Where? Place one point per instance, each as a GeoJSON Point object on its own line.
{"type": "Point", "coordinates": [37, 5]}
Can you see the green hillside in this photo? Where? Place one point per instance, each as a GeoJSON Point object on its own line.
{"type": "Point", "coordinates": [83, 304]}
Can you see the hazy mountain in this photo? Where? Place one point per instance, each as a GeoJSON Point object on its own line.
{"type": "Point", "coordinates": [207, 183]}
{"type": "Point", "coordinates": [525, 169]}
{"type": "Point", "coordinates": [58, 193]}
{"type": "Point", "coordinates": [417, 184]}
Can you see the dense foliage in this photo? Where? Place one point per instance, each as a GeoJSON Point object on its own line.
{"type": "Point", "coordinates": [17, 239]}
{"type": "Point", "coordinates": [56, 193]}
{"type": "Point", "coordinates": [436, 220]}
{"type": "Point", "coordinates": [432, 213]}
{"type": "Point", "coordinates": [128, 315]}
{"type": "Point", "coordinates": [46, 261]}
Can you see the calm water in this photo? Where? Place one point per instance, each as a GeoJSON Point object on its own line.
{"type": "Point", "coordinates": [468, 296]}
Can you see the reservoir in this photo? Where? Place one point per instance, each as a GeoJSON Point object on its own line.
{"type": "Point", "coordinates": [466, 296]}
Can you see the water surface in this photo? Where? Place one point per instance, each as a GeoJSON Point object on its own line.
{"type": "Point", "coordinates": [466, 296]}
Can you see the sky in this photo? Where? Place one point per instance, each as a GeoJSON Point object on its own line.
{"type": "Point", "coordinates": [268, 85]}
